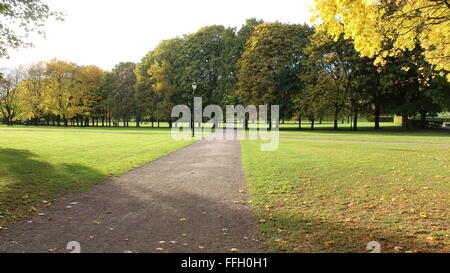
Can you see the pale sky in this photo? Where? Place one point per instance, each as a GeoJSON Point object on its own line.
{"type": "Point", "coordinates": [106, 32]}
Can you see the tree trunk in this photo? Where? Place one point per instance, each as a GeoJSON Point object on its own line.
{"type": "Point", "coordinates": [300, 122]}
{"type": "Point", "coordinates": [355, 121]}
{"type": "Point", "coordinates": [246, 120]}
{"type": "Point", "coordinates": [423, 119]}
{"type": "Point", "coordinates": [377, 112]}
{"type": "Point", "coordinates": [405, 121]}
{"type": "Point", "coordinates": [312, 124]}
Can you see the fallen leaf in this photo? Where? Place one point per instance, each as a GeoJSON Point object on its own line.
{"type": "Point", "coordinates": [398, 248]}
{"type": "Point", "coordinates": [423, 215]}
{"type": "Point", "coordinates": [234, 250]}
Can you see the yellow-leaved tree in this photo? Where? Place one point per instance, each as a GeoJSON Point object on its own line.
{"type": "Point", "coordinates": [384, 28]}
{"type": "Point", "coordinates": [30, 92]}
{"type": "Point", "coordinates": [65, 94]}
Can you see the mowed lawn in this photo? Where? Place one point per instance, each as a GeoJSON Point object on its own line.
{"type": "Point", "coordinates": [38, 165]}
{"type": "Point", "coordinates": [325, 196]}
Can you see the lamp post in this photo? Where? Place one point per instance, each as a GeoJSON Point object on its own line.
{"type": "Point", "coordinates": [194, 87]}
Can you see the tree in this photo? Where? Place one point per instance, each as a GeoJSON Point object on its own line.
{"type": "Point", "coordinates": [30, 92]}
{"type": "Point", "coordinates": [106, 97]}
{"type": "Point", "coordinates": [9, 103]}
{"type": "Point", "coordinates": [65, 94]}
{"type": "Point", "coordinates": [210, 61]}
{"type": "Point", "coordinates": [20, 18]}
{"type": "Point", "coordinates": [385, 28]}
{"type": "Point", "coordinates": [124, 90]}
{"type": "Point", "coordinates": [162, 79]}
{"type": "Point", "coordinates": [269, 67]}
{"type": "Point", "coordinates": [92, 79]}
{"type": "Point", "coordinates": [330, 68]}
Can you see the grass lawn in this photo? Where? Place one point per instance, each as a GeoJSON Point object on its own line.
{"type": "Point", "coordinates": [316, 196]}
{"type": "Point", "coordinates": [38, 165]}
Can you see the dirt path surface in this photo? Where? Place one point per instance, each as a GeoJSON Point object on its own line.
{"type": "Point", "coordinates": [193, 200]}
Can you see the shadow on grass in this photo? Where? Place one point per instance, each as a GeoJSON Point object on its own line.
{"type": "Point", "coordinates": [27, 181]}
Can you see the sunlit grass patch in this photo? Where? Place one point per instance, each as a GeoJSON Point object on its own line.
{"type": "Point", "coordinates": [337, 197]}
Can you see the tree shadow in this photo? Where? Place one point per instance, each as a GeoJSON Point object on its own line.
{"type": "Point", "coordinates": [27, 182]}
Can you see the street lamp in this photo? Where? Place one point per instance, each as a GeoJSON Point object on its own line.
{"type": "Point", "coordinates": [194, 87]}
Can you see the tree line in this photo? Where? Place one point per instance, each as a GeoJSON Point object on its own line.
{"type": "Point", "coordinates": [309, 72]}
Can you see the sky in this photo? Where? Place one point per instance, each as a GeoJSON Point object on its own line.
{"type": "Point", "coordinates": [106, 32]}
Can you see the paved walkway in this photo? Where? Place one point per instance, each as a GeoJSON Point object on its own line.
{"type": "Point", "coordinates": [193, 200]}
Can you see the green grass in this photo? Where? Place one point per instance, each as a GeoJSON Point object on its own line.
{"type": "Point", "coordinates": [317, 196]}
{"type": "Point", "coordinates": [394, 135]}
{"type": "Point", "coordinates": [41, 164]}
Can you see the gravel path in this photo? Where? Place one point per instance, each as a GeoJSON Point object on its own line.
{"type": "Point", "coordinates": [193, 200]}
